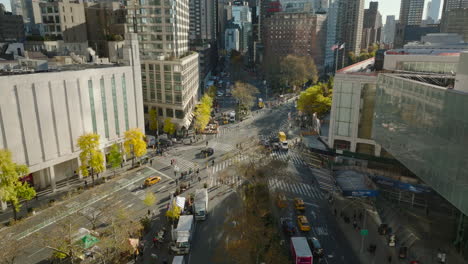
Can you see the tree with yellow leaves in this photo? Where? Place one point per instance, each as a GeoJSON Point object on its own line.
{"type": "Point", "coordinates": [169, 127]}
{"type": "Point", "coordinates": [153, 119]}
{"type": "Point", "coordinates": [12, 190]}
{"type": "Point", "coordinates": [91, 156]}
{"type": "Point", "coordinates": [134, 143]}
{"type": "Point", "coordinates": [316, 99]}
{"type": "Point", "coordinates": [203, 112]}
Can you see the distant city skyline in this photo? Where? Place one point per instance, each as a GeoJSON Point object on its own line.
{"type": "Point", "coordinates": [386, 7]}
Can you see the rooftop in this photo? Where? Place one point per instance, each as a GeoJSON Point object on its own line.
{"type": "Point", "coordinates": [365, 67]}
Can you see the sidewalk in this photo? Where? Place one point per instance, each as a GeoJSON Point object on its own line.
{"type": "Point", "coordinates": [46, 196]}
{"type": "Point", "coordinates": [365, 220]}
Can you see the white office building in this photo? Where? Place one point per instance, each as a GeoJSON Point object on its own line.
{"type": "Point", "coordinates": [42, 115]}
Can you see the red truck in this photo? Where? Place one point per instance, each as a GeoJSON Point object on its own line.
{"type": "Point", "coordinates": [300, 251]}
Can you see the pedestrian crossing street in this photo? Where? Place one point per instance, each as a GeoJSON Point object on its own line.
{"type": "Point", "coordinates": [324, 178]}
{"type": "Point", "coordinates": [182, 164]}
{"type": "Point", "coordinates": [295, 187]}
{"type": "Point", "coordinates": [288, 156]}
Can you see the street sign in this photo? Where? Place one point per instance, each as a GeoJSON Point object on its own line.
{"type": "Point", "coordinates": [364, 232]}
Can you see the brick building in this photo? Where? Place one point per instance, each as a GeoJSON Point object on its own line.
{"type": "Point", "coordinates": [300, 34]}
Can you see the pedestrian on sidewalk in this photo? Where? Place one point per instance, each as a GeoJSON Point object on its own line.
{"type": "Point", "coordinates": [199, 179]}
{"type": "Point", "coordinates": [207, 143]}
{"type": "Point", "coordinates": [149, 212]}
{"type": "Point", "coordinates": [151, 162]}
{"type": "Point", "coordinates": [198, 171]}
{"type": "Point", "coordinates": [86, 184]}
{"type": "Point", "coordinates": [355, 224]}
{"type": "Point", "coordinates": [37, 197]}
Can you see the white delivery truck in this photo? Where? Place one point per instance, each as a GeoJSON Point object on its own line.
{"type": "Point", "coordinates": [182, 235]}
{"type": "Point", "coordinates": [200, 204]}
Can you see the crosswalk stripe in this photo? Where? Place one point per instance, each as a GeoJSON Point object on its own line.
{"type": "Point", "coordinates": [303, 188]}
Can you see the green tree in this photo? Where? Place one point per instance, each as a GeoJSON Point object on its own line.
{"type": "Point", "coordinates": [245, 93]}
{"type": "Point", "coordinates": [295, 71]}
{"type": "Point", "coordinates": [91, 156]}
{"type": "Point", "coordinates": [150, 199]}
{"type": "Point", "coordinates": [12, 190]}
{"type": "Point", "coordinates": [134, 143]}
{"type": "Point", "coordinates": [202, 113]}
{"type": "Point", "coordinates": [115, 157]}
{"type": "Point", "coordinates": [153, 119]}
{"type": "Point", "coordinates": [315, 99]}
{"type": "Point", "coordinates": [169, 127]}
{"type": "Point", "coordinates": [212, 91]}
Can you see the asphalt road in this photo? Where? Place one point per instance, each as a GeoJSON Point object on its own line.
{"type": "Point", "coordinates": [303, 185]}
{"type": "Point", "coordinates": [128, 193]}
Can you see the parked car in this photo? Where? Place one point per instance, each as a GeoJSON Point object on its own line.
{"type": "Point", "coordinates": [317, 249]}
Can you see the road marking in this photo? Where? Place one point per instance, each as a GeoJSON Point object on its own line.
{"type": "Point", "coordinates": [130, 205]}
{"type": "Point", "coordinates": [36, 252]}
{"type": "Point", "coordinates": [311, 204]}
{"type": "Point", "coordinates": [161, 187]}
{"type": "Point", "coordinates": [160, 173]}
{"type": "Point", "coordinates": [52, 220]}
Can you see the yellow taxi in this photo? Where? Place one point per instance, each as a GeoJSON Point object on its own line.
{"type": "Point", "coordinates": [299, 204]}
{"type": "Point", "coordinates": [281, 201]}
{"type": "Point", "coordinates": [152, 180]}
{"type": "Point", "coordinates": [303, 223]}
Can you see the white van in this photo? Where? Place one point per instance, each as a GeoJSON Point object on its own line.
{"type": "Point", "coordinates": [178, 260]}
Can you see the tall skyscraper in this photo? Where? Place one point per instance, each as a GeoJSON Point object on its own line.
{"type": "Point", "coordinates": [349, 26]}
{"type": "Point", "coordinates": [433, 8]}
{"type": "Point", "coordinates": [389, 30]}
{"type": "Point", "coordinates": [203, 20]}
{"type": "Point", "coordinates": [372, 25]}
{"type": "Point", "coordinates": [452, 4]}
{"type": "Point", "coordinates": [332, 18]}
{"type": "Point", "coordinates": [170, 77]}
{"type": "Point", "coordinates": [411, 12]}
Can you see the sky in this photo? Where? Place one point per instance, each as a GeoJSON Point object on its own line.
{"type": "Point", "coordinates": [386, 7]}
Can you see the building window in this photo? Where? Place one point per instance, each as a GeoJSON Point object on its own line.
{"type": "Point", "coordinates": [168, 98]}
{"type": "Point", "coordinates": [167, 68]}
{"type": "Point", "coordinates": [169, 112]}
{"type": "Point", "coordinates": [116, 110]}
{"type": "Point", "coordinates": [179, 114]}
{"type": "Point", "coordinates": [124, 92]}
{"type": "Point", "coordinates": [91, 103]}
{"type": "Point", "coordinates": [104, 108]}
{"type": "Point", "coordinates": [160, 111]}
{"type": "Point", "coordinates": [178, 98]}
{"type": "Point", "coordinates": [153, 95]}
{"type": "Point", "coordinates": [168, 86]}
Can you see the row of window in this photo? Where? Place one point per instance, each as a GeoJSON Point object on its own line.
{"type": "Point", "coordinates": [167, 112]}
{"type": "Point", "coordinates": [104, 105]}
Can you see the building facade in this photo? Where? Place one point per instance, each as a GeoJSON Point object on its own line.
{"type": "Point", "coordinates": [203, 21]}
{"type": "Point", "coordinates": [389, 30]}
{"type": "Point", "coordinates": [453, 4]}
{"type": "Point", "coordinates": [372, 25]}
{"type": "Point", "coordinates": [352, 111]}
{"type": "Point", "coordinates": [300, 34]}
{"type": "Point", "coordinates": [105, 21]}
{"type": "Point", "coordinates": [170, 72]}
{"type": "Point", "coordinates": [433, 8]}
{"type": "Point", "coordinates": [64, 20]}
{"type": "Point", "coordinates": [44, 114]}
{"type": "Point", "coordinates": [11, 26]}
{"type": "Point", "coordinates": [332, 38]}
{"type": "Point", "coordinates": [455, 21]}
{"type": "Point", "coordinates": [411, 12]}
{"type": "Point", "coordinates": [349, 27]}
{"type": "Point", "coordinates": [232, 37]}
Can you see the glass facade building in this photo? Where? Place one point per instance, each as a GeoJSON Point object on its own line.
{"type": "Point", "coordinates": [425, 127]}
